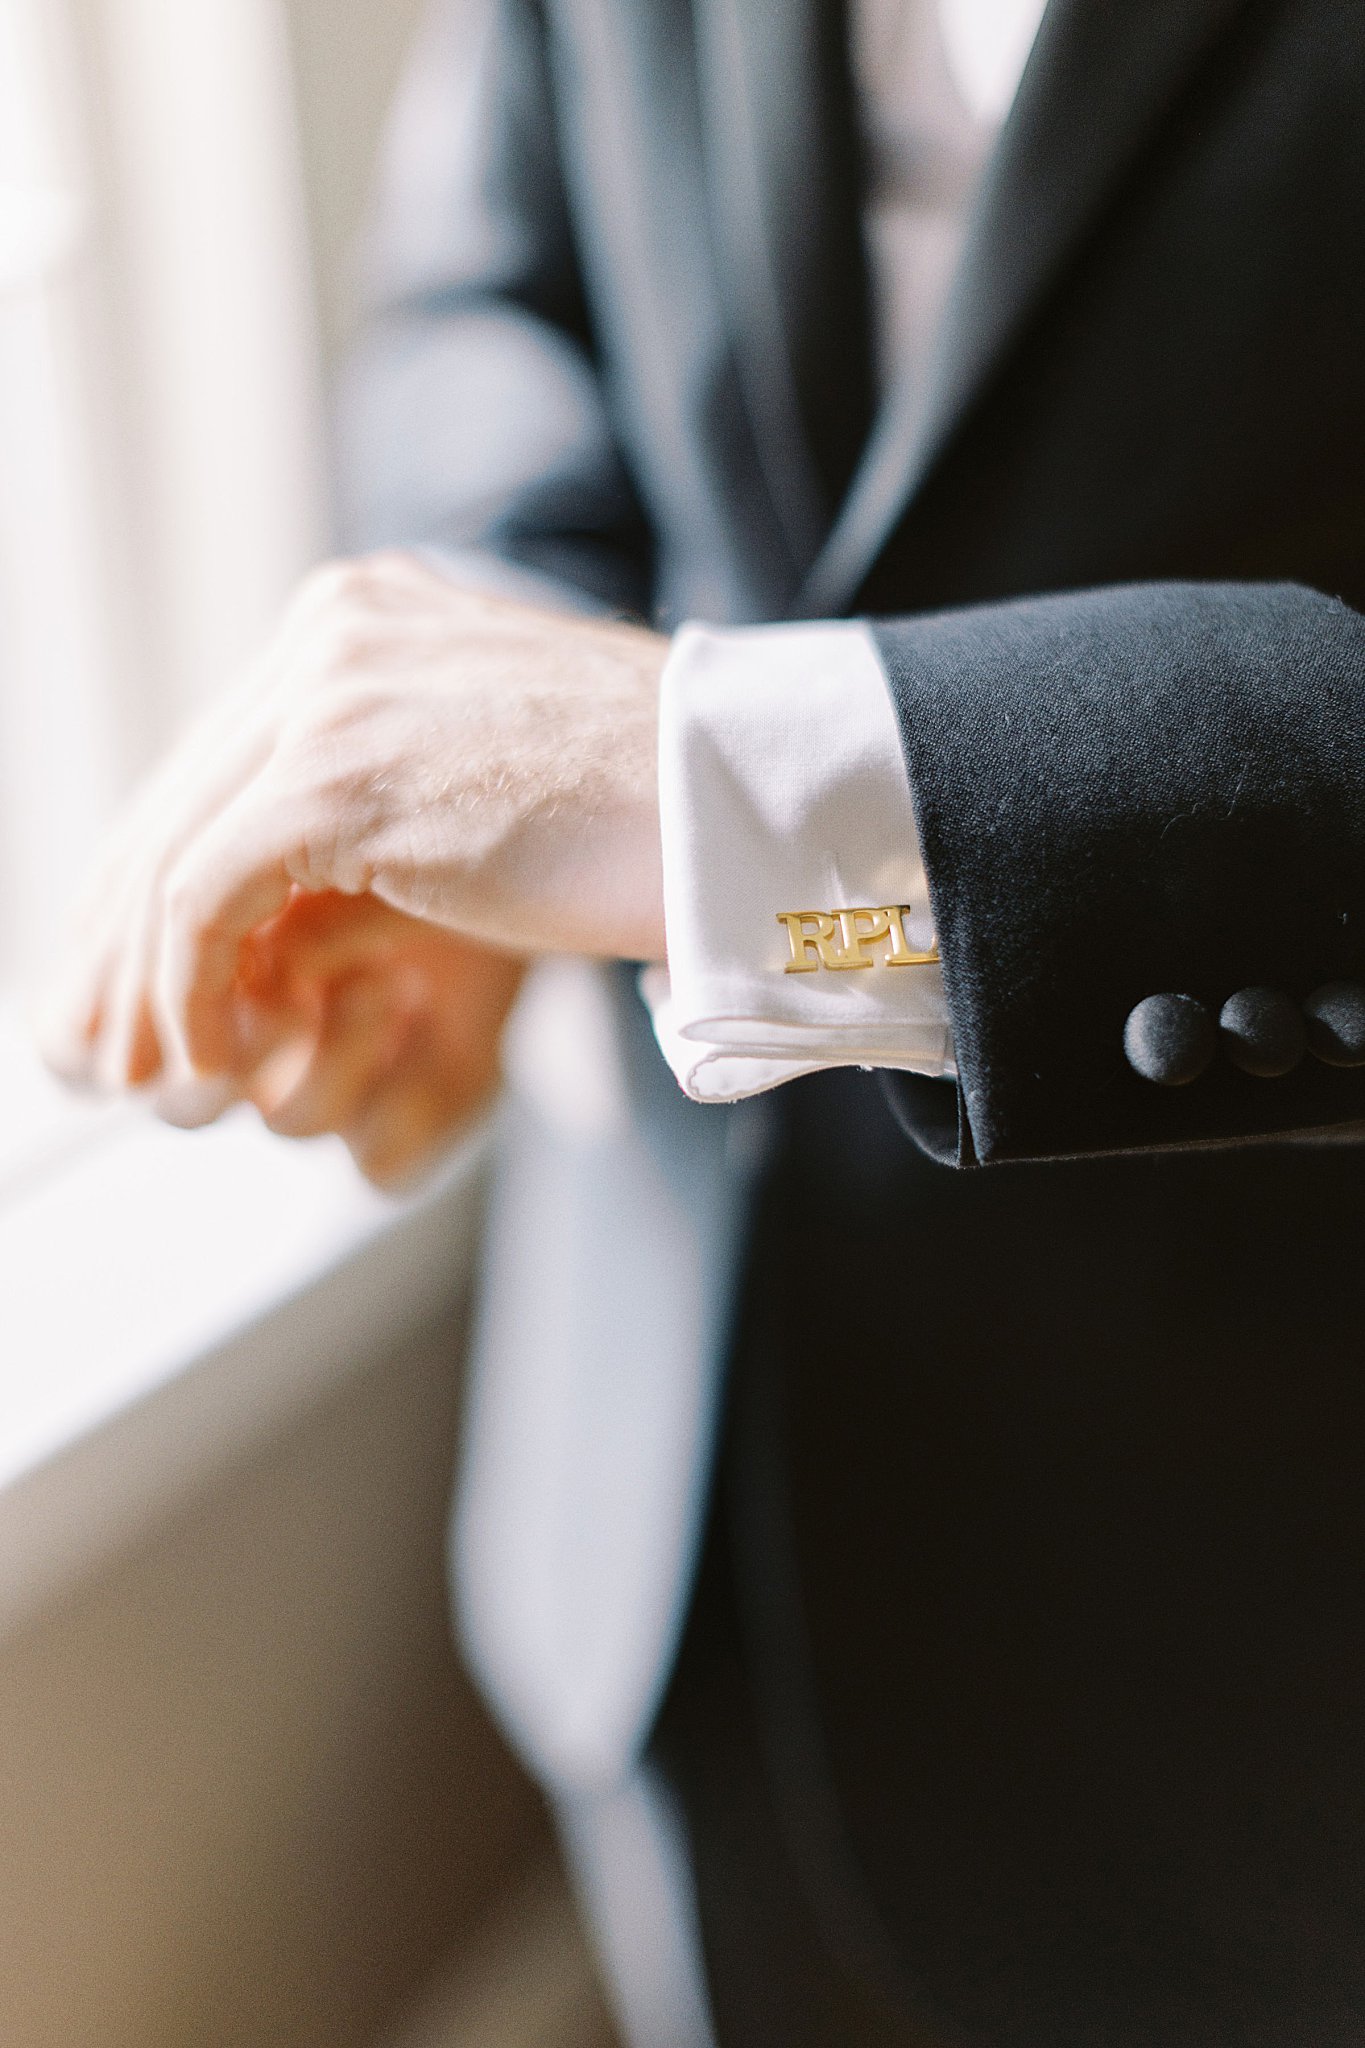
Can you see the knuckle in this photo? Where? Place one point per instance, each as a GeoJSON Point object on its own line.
{"type": "Point", "coordinates": [321, 586]}
{"type": "Point", "coordinates": [364, 579]}
{"type": "Point", "coordinates": [348, 611]}
{"type": "Point", "coordinates": [343, 641]}
{"type": "Point", "coordinates": [177, 896]}
{"type": "Point", "coordinates": [187, 921]}
{"type": "Point", "coordinates": [356, 579]}
{"type": "Point", "coordinates": [340, 588]}
{"type": "Point", "coordinates": [390, 565]}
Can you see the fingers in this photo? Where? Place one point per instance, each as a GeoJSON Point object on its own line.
{"type": "Point", "coordinates": [399, 1023]}
{"type": "Point", "coordinates": [385, 1071]}
{"type": "Point", "coordinates": [323, 935]}
{"type": "Point", "coordinates": [377, 1072]}
{"type": "Point", "coordinates": [325, 1083]}
{"type": "Point", "coordinates": [76, 1008]}
{"type": "Point", "coordinates": [95, 1021]}
{"type": "Point", "coordinates": [99, 1022]}
{"type": "Point", "coordinates": [236, 875]}
{"type": "Point", "coordinates": [437, 1084]}
{"type": "Point", "coordinates": [409, 1122]}
{"type": "Point", "coordinates": [191, 1100]}
{"type": "Point", "coordinates": [155, 994]}
{"type": "Point", "coordinates": [127, 1049]}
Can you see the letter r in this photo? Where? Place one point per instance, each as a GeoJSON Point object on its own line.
{"type": "Point", "coordinates": [809, 948]}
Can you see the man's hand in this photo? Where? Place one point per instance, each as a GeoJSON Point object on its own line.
{"type": "Point", "coordinates": [331, 882]}
{"type": "Point", "coordinates": [382, 1027]}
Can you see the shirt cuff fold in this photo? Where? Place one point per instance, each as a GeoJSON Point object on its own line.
{"type": "Point", "coordinates": [782, 789]}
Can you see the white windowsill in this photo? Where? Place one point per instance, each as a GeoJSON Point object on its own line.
{"type": "Point", "coordinates": [166, 1298]}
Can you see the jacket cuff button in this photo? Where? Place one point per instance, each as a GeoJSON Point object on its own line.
{"type": "Point", "coordinates": [1262, 1032]}
{"type": "Point", "coordinates": [1336, 1023]}
{"type": "Point", "coordinates": [1169, 1039]}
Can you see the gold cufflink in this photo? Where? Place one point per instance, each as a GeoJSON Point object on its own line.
{"type": "Point", "coordinates": [811, 936]}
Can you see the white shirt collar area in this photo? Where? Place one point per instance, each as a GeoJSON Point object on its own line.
{"type": "Point", "coordinates": [782, 788]}
{"type": "Point", "coordinates": [987, 44]}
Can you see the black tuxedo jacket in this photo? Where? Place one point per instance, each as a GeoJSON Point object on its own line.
{"type": "Point", "coordinates": [1048, 1476]}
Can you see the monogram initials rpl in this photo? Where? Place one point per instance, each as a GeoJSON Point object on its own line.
{"type": "Point", "coordinates": [811, 935]}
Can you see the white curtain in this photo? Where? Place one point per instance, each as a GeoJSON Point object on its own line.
{"type": "Point", "coordinates": [161, 466]}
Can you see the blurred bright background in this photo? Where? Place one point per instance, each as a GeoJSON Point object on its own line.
{"type": "Point", "coordinates": [246, 1794]}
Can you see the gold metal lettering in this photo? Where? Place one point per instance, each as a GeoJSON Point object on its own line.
{"type": "Point", "coordinates": [903, 954]}
{"type": "Point", "coordinates": [858, 929]}
{"type": "Point", "coordinates": [809, 949]}
{"type": "Point", "coordinates": [811, 936]}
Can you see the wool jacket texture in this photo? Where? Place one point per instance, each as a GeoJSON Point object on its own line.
{"type": "Point", "coordinates": [1159, 787]}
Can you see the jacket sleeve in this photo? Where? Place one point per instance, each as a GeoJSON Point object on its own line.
{"type": "Point", "coordinates": [472, 419]}
{"type": "Point", "coordinates": [1123, 793]}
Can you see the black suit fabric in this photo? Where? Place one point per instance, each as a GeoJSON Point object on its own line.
{"type": "Point", "coordinates": [1029, 1633]}
{"type": "Point", "coordinates": [1050, 1554]}
{"type": "Point", "coordinates": [1151, 788]}
{"type": "Point", "coordinates": [1036, 1588]}
{"type": "Point", "coordinates": [1063, 1534]}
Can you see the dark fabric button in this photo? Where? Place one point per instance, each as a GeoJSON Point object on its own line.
{"type": "Point", "coordinates": [1336, 1023]}
{"type": "Point", "coordinates": [1169, 1039]}
{"type": "Point", "coordinates": [1262, 1032]}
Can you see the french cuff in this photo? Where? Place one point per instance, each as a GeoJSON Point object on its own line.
{"type": "Point", "coordinates": [783, 803]}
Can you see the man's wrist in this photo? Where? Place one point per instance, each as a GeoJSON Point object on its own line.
{"type": "Point", "coordinates": [633, 896]}
{"type": "Point", "coordinates": [591, 858]}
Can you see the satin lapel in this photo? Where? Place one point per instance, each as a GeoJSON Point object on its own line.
{"type": "Point", "coordinates": [1101, 77]}
{"type": "Point", "coordinates": [782, 165]}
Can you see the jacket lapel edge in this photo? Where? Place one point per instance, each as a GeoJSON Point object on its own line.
{"type": "Point", "coordinates": [1044, 194]}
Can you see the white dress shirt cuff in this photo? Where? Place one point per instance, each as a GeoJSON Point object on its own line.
{"type": "Point", "coordinates": [782, 788]}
